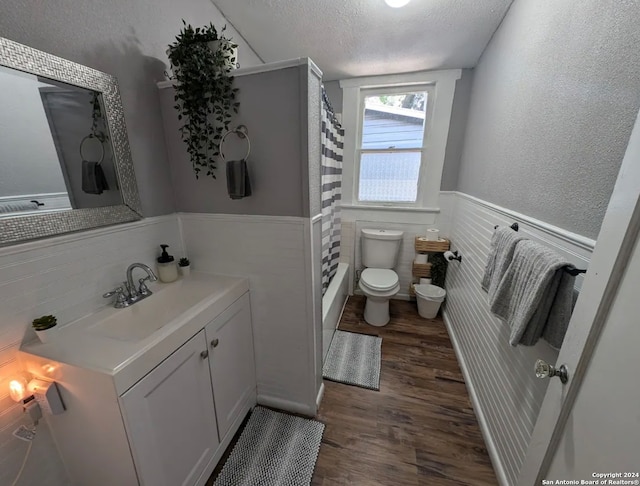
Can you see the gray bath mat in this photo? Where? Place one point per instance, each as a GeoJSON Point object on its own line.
{"type": "Point", "coordinates": [354, 359]}
{"type": "Point", "coordinates": [273, 449]}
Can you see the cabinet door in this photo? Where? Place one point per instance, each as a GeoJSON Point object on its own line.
{"type": "Point", "coordinates": [232, 363]}
{"type": "Point", "coordinates": [170, 418]}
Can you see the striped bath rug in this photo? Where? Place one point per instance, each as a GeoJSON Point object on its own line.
{"type": "Point", "coordinates": [354, 359]}
{"type": "Point", "coordinates": [274, 449]}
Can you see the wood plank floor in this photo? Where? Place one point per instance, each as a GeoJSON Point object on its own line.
{"type": "Point", "coordinates": [419, 429]}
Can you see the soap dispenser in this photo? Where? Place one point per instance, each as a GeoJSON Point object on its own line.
{"type": "Point", "coordinates": [167, 268]}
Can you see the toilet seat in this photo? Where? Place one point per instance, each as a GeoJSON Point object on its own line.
{"type": "Point", "coordinates": [379, 279]}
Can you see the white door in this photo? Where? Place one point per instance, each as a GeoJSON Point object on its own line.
{"type": "Point", "coordinates": [589, 329]}
{"type": "Point", "coordinates": [170, 418]}
{"type": "Point", "coordinates": [232, 364]}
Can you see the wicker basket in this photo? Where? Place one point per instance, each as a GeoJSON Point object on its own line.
{"type": "Point", "coordinates": [424, 246]}
{"type": "Point", "coordinates": [422, 270]}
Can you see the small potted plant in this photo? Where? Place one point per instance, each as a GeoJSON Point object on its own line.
{"type": "Point", "coordinates": [43, 327]}
{"type": "Point", "coordinates": [184, 265]}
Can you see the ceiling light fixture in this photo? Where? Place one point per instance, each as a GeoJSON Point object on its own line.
{"type": "Point", "coordinates": [396, 3]}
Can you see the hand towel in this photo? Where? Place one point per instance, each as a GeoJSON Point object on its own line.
{"type": "Point", "coordinates": [238, 183]}
{"type": "Point", "coordinates": [535, 294]}
{"type": "Point", "coordinates": [93, 179]}
{"type": "Point", "coordinates": [503, 244]}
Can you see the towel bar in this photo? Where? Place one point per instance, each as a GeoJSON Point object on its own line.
{"type": "Point", "coordinates": [571, 271]}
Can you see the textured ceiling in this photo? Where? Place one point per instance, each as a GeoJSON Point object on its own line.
{"type": "Point", "coordinates": [348, 38]}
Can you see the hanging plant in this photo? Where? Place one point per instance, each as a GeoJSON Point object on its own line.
{"type": "Point", "coordinates": [205, 97]}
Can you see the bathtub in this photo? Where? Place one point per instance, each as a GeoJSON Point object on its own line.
{"type": "Point", "coordinates": [333, 303]}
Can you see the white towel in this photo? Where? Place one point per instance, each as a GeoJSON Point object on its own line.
{"type": "Point", "coordinates": [535, 295]}
{"type": "Point", "coordinates": [503, 244]}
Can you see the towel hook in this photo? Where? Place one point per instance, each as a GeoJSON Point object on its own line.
{"type": "Point", "coordinates": [243, 133]}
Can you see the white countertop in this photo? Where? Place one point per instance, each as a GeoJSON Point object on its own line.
{"type": "Point", "coordinates": [179, 309]}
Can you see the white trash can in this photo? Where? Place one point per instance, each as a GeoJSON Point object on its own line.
{"type": "Point", "coordinates": [429, 299]}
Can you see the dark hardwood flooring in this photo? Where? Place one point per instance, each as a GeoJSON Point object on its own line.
{"type": "Point", "coordinates": [419, 429]}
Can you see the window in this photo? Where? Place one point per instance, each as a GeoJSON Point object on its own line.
{"type": "Point", "coordinates": [396, 128]}
{"type": "Point", "coordinates": [391, 145]}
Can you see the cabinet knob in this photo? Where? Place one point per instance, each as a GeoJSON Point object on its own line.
{"type": "Point", "coordinates": [215, 342]}
{"type": "Point", "coordinates": [204, 354]}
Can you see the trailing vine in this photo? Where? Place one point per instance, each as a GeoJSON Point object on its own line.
{"type": "Point", "coordinates": [204, 95]}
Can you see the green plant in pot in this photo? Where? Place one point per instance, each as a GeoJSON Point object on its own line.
{"type": "Point", "coordinates": [205, 97]}
{"type": "Point", "coordinates": [43, 325]}
{"type": "Point", "coordinates": [184, 265]}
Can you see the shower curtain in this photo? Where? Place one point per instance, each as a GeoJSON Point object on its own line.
{"type": "Point", "coordinates": [331, 166]}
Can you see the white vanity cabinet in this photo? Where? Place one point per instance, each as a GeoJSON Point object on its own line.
{"type": "Point", "coordinates": [170, 418]}
{"type": "Point", "coordinates": [232, 363]}
{"type": "Point", "coordinates": [153, 393]}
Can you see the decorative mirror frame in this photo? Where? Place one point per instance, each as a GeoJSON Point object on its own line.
{"type": "Point", "coordinates": [28, 227]}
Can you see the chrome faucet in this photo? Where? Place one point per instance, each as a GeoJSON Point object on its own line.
{"type": "Point", "coordinates": [127, 294]}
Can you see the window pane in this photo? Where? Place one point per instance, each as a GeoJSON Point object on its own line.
{"type": "Point", "coordinates": [389, 177]}
{"type": "Point", "coordinates": [394, 121]}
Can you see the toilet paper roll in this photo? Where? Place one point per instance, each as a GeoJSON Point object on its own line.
{"type": "Point", "coordinates": [425, 281]}
{"type": "Point", "coordinates": [422, 258]}
{"type": "Point", "coordinates": [449, 256]}
{"type": "Point", "coordinates": [433, 234]}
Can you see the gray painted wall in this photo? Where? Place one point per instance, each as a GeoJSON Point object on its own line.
{"type": "Point", "coordinates": [553, 102]}
{"type": "Point", "coordinates": [457, 129]}
{"type": "Point", "coordinates": [270, 107]}
{"type": "Point", "coordinates": [334, 92]}
{"type": "Point", "coordinates": [127, 39]}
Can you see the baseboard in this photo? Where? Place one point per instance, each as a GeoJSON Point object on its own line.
{"type": "Point", "coordinates": [319, 397]}
{"type": "Point", "coordinates": [482, 421]}
{"type": "Point", "coordinates": [287, 405]}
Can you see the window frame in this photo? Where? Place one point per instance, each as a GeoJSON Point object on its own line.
{"type": "Point", "coordinates": [367, 92]}
{"type": "Point", "coordinates": [434, 145]}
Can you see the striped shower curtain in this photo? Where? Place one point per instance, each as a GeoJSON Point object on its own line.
{"type": "Point", "coordinates": [332, 135]}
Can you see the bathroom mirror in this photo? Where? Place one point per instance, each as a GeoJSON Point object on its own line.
{"type": "Point", "coordinates": [65, 161]}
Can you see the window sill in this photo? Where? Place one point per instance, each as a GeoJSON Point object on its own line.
{"type": "Point", "coordinates": [403, 209]}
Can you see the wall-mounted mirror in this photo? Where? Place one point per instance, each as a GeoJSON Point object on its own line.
{"type": "Point", "coordinates": [65, 162]}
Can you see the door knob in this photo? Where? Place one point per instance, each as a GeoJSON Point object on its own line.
{"type": "Point", "coordinates": [545, 370]}
{"type": "Point", "coordinates": [204, 354]}
{"type": "Point", "coordinates": [215, 342]}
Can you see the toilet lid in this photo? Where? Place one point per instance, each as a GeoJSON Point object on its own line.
{"type": "Point", "coordinates": [379, 278]}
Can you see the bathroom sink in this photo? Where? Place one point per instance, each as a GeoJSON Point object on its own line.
{"type": "Point", "coordinates": [149, 316]}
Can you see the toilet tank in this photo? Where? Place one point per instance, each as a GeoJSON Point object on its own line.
{"type": "Point", "coordinates": [380, 247]}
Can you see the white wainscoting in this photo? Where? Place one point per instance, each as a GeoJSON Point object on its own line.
{"type": "Point", "coordinates": [65, 276]}
{"type": "Point", "coordinates": [505, 392]}
{"type": "Point", "coordinates": [272, 252]}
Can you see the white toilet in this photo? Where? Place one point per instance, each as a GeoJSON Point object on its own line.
{"type": "Point", "coordinates": [378, 281]}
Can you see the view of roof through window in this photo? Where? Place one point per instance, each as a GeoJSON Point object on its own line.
{"type": "Point", "coordinates": [391, 150]}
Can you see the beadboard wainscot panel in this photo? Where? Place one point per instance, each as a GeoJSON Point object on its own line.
{"type": "Point", "coordinates": [270, 251]}
{"type": "Point", "coordinates": [505, 392]}
{"type": "Point", "coordinates": [65, 276]}
{"type": "Point", "coordinates": [413, 223]}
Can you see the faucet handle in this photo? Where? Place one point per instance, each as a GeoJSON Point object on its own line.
{"type": "Point", "coordinates": [121, 299]}
{"type": "Point", "coordinates": [143, 289]}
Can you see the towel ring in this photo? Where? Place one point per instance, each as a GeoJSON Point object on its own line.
{"type": "Point", "coordinates": [101, 147]}
{"type": "Point", "coordinates": [243, 133]}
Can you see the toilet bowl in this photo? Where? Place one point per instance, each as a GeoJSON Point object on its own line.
{"type": "Point", "coordinates": [378, 285]}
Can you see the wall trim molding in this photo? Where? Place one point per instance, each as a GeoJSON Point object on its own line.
{"type": "Point", "coordinates": [261, 68]}
{"type": "Point", "coordinates": [568, 236]}
{"type": "Point", "coordinates": [286, 405]}
{"type": "Point", "coordinates": [82, 235]}
{"type": "Point", "coordinates": [320, 396]}
{"type": "Point", "coordinates": [245, 218]}
{"type": "Point", "coordinates": [477, 408]}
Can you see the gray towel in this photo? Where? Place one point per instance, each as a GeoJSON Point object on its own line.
{"type": "Point", "coordinates": [535, 295]}
{"type": "Point", "coordinates": [12, 207]}
{"type": "Point", "coordinates": [238, 183]}
{"type": "Point", "coordinates": [503, 244]}
{"type": "Point", "coordinates": [93, 179]}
